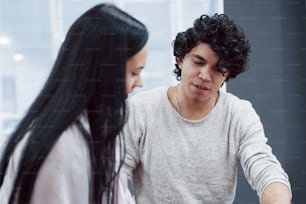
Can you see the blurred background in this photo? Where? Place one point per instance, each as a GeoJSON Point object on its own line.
{"type": "Point", "coordinates": [31, 32]}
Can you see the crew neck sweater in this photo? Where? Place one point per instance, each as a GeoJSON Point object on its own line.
{"type": "Point", "coordinates": [176, 160]}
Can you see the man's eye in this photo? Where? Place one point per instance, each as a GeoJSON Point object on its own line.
{"type": "Point", "coordinates": [199, 63]}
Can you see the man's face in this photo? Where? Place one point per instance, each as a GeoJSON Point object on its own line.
{"type": "Point", "coordinates": [199, 78]}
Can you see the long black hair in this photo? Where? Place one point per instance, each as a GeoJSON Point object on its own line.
{"type": "Point", "coordinates": [88, 76]}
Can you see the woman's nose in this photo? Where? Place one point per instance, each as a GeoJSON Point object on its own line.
{"type": "Point", "coordinates": [139, 83]}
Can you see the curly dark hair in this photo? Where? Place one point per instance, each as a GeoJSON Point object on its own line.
{"type": "Point", "coordinates": [225, 38]}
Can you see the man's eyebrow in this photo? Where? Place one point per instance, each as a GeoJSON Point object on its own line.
{"type": "Point", "coordinates": [198, 57]}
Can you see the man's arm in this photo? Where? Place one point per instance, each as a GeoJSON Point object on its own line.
{"type": "Point", "coordinates": [276, 193]}
{"type": "Point", "coordinates": [261, 167]}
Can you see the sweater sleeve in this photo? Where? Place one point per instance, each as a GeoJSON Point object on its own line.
{"type": "Point", "coordinates": [132, 134]}
{"type": "Point", "coordinates": [259, 164]}
{"type": "Point", "coordinates": [124, 190]}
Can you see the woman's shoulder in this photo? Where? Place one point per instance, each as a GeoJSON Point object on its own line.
{"type": "Point", "coordinates": [71, 145]}
{"type": "Point", "coordinates": [66, 169]}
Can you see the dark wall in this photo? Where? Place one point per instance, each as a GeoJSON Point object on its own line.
{"type": "Point", "coordinates": [275, 82]}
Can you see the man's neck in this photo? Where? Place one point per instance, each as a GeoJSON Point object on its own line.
{"type": "Point", "coordinates": [189, 109]}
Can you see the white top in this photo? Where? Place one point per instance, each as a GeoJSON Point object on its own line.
{"type": "Point", "coordinates": [64, 177]}
{"type": "Point", "coordinates": [176, 160]}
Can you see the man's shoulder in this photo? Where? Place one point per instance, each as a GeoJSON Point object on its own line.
{"type": "Point", "coordinates": [147, 102]}
{"type": "Point", "coordinates": [234, 102]}
{"type": "Point", "coordinates": [150, 95]}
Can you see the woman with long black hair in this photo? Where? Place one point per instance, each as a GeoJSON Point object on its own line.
{"type": "Point", "coordinates": [63, 150]}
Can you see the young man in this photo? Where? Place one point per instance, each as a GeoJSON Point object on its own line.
{"type": "Point", "coordinates": [184, 143]}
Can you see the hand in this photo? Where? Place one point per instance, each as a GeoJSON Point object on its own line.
{"type": "Point", "coordinates": [276, 193]}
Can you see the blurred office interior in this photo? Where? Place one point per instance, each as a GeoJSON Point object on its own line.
{"type": "Point", "coordinates": [31, 32]}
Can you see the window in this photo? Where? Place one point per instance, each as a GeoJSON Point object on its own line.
{"type": "Point", "coordinates": [8, 94]}
{"type": "Point", "coordinates": [31, 32]}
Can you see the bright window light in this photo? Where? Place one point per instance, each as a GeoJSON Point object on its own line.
{"type": "Point", "coordinates": [18, 57]}
{"type": "Point", "coordinates": [4, 41]}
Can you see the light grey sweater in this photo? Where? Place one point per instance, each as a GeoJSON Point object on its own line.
{"type": "Point", "coordinates": [175, 160]}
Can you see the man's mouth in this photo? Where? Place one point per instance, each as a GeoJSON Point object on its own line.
{"type": "Point", "coordinates": [201, 87]}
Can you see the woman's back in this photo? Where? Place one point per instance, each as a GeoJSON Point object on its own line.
{"type": "Point", "coordinates": [53, 156]}
{"type": "Point", "coordinates": [65, 174]}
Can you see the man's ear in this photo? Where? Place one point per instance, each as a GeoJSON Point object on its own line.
{"type": "Point", "coordinates": [179, 62]}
